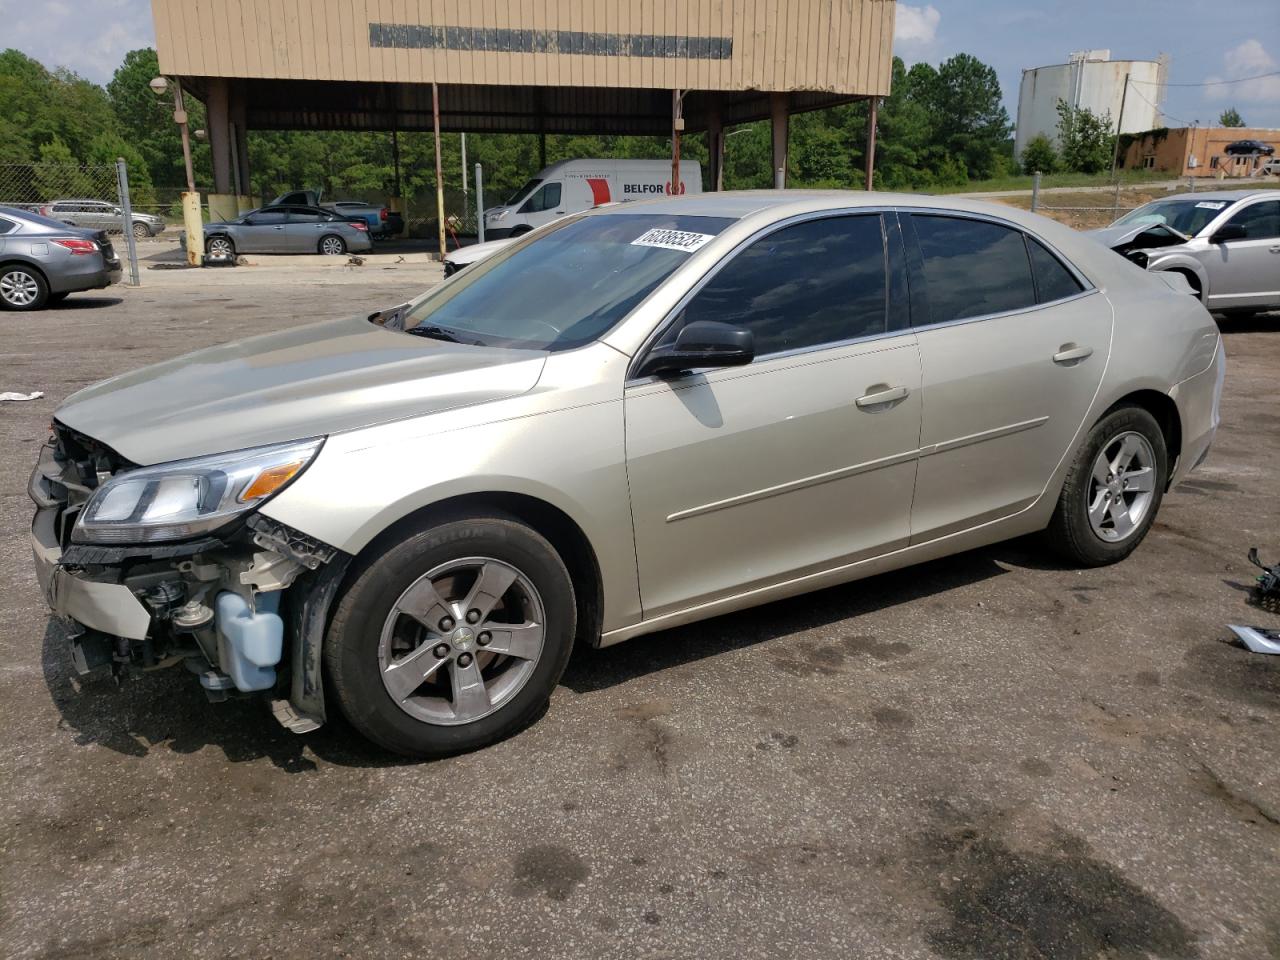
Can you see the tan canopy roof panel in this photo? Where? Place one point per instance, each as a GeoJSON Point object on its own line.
{"type": "Point", "coordinates": [524, 65]}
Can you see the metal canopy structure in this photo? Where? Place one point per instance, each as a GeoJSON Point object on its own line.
{"type": "Point", "coordinates": [489, 108]}
{"type": "Point", "coordinates": [528, 66]}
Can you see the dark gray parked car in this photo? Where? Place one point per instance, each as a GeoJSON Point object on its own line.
{"type": "Point", "coordinates": [100, 215]}
{"type": "Point", "coordinates": [43, 260]}
{"type": "Point", "coordinates": [287, 230]}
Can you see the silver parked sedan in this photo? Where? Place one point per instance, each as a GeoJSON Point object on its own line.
{"type": "Point", "coordinates": [637, 417]}
{"type": "Point", "coordinates": [1225, 244]}
{"type": "Point", "coordinates": [44, 260]}
{"type": "Point", "coordinates": [287, 230]}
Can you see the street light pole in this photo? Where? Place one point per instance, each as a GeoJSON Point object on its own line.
{"type": "Point", "coordinates": [192, 221]}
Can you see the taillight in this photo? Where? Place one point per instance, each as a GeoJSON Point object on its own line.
{"type": "Point", "coordinates": [360, 225]}
{"type": "Point", "coordinates": [382, 214]}
{"type": "Point", "coordinates": [79, 248]}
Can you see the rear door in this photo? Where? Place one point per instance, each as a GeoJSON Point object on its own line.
{"type": "Point", "coordinates": [1013, 344]}
{"type": "Point", "coordinates": [1246, 272]}
{"type": "Point", "coordinates": [304, 228]}
{"type": "Point", "coordinates": [802, 460]}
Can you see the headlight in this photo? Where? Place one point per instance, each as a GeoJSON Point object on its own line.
{"type": "Point", "coordinates": [188, 498]}
{"type": "Point", "coordinates": [499, 216]}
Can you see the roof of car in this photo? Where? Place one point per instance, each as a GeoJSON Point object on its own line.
{"type": "Point", "coordinates": [779, 204]}
{"type": "Point", "coordinates": [1232, 195]}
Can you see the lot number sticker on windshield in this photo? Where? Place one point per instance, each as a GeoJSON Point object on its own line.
{"type": "Point", "coordinates": [672, 239]}
{"type": "Point", "coordinates": [1210, 205]}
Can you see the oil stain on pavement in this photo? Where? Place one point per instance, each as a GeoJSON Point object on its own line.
{"type": "Point", "coordinates": [1052, 898]}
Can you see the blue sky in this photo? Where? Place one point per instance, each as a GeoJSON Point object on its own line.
{"type": "Point", "coordinates": [1206, 41]}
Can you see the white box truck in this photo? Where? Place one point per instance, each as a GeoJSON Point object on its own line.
{"type": "Point", "coordinates": [573, 185]}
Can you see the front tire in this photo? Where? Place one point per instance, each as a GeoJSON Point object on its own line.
{"type": "Point", "coordinates": [220, 245]}
{"type": "Point", "coordinates": [1113, 490]}
{"type": "Point", "coordinates": [22, 288]}
{"type": "Point", "coordinates": [141, 231]}
{"type": "Point", "coordinates": [452, 638]}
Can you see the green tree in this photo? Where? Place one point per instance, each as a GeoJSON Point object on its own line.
{"type": "Point", "coordinates": [969, 122]}
{"type": "Point", "coordinates": [146, 121]}
{"type": "Point", "coordinates": [1085, 140]}
{"type": "Point", "coordinates": [1231, 118]}
{"type": "Point", "coordinates": [60, 175]}
{"type": "Point", "coordinates": [1039, 155]}
{"type": "Point", "coordinates": [904, 131]}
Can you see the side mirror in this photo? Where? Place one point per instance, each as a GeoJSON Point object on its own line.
{"type": "Point", "coordinates": [704, 343]}
{"type": "Point", "coordinates": [1229, 231]}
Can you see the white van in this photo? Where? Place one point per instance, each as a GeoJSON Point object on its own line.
{"type": "Point", "coordinates": [573, 185]}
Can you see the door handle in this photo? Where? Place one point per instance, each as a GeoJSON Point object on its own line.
{"type": "Point", "coordinates": [1274, 249]}
{"type": "Point", "coordinates": [880, 397]}
{"type": "Point", "coordinates": [1070, 353]}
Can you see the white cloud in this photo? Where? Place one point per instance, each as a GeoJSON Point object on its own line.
{"type": "Point", "coordinates": [1249, 59]}
{"type": "Point", "coordinates": [916, 25]}
{"type": "Point", "coordinates": [88, 38]}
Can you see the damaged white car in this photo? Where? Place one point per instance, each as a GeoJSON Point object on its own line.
{"type": "Point", "coordinates": [1225, 244]}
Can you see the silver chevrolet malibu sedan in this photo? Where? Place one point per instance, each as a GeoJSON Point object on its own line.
{"type": "Point", "coordinates": [638, 417]}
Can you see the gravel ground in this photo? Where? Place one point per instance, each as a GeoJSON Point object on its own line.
{"type": "Point", "coordinates": [988, 756]}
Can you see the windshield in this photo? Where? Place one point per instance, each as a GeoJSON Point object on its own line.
{"type": "Point", "coordinates": [519, 195]}
{"type": "Point", "coordinates": [564, 287]}
{"type": "Point", "coordinates": [1186, 216]}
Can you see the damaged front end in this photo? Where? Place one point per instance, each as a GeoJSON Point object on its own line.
{"type": "Point", "coordinates": [154, 566]}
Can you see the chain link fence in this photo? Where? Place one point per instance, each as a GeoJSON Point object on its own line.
{"type": "Point", "coordinates": [88, 195]}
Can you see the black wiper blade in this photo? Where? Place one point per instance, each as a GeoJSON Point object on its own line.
{"type": "Point", "coordinates": [435, 333]}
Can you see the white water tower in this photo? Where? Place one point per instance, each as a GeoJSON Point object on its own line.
{"type": "Point", "coordinates": [1090, 79]}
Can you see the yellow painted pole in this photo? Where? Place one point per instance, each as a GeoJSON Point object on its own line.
{"type": "Point", "coordinates": [435, 118]}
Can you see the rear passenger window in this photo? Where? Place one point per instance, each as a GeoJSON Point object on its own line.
{"type": "Point", "coordinates": [973, 268]}
{"type": "Point", "coordinates": [821, 281]}
{"type": "Point", "coordinates": [1053, 280]}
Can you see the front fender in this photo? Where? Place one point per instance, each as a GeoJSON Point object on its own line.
{"type": "Point", "coordinates": [1182, 263]}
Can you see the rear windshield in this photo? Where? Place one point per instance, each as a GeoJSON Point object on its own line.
{"type": "Point", "coordinates": [1186, 216]}
{"type": "Point", "coordinates": [565, 286]}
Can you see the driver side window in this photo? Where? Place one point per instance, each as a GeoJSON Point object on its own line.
{"type": "Point", "coordinates": [809, 284]}
{"type": "Point", "coordinates": [548, 198]}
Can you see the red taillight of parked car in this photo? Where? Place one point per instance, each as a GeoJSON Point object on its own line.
{"type": "Point", "coordinates": [79, 248]}
{"type": "Point", "coordinates": [382, 214]}
{"type": "Point", "coordinates": [360, 225]}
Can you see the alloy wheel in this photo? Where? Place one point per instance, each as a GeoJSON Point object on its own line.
{"type": "Point", "coordinates": [332, 246]}
{"type": "Point", "coordinates": [220, 247]}
{"type": "Point", "coordinates": [461, 641]}
{"type": "Point", "coordinates": [1121, 487]}
{"type": "Point", "coordinates": [19, 288]}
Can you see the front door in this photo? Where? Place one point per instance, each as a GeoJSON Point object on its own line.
{"type": "Point", "coordinates": [263, 233]}
{"type": "Point", "coordinates": [1246, 272]}
{"type": "Point", "coordinates": [801, 461]}
{"type": "Point", "coordinates": [544, 205]}
{"type": "Point", "coordinates": [1012, 350]}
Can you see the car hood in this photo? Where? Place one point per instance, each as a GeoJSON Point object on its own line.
{"type": "Point", "coordinates": [478, 251]}
{"type": "Point", "coordinates": [305, 382]}
{"type": "Point", "coordinates": [1159, 235]}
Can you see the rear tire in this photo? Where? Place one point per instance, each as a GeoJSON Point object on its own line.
{"type": "Point", "coordinates": [332, 245]}
{"type": "Point", "coordinates": [22, 288]}
{"type": "Point", "coordinates": [373, 646]}
{"type": "Point", "coordinates": [1113, 490]}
